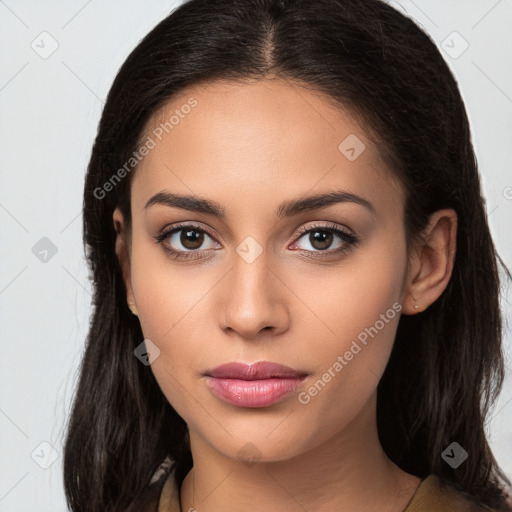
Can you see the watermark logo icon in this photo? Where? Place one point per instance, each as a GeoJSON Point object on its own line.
{"type": "Point", "coordinates": [454, 45]}
{"type": "Point", "coordinates": [454, 455]}
{"type": "Point", "coordinates": [352, 147]}
{"type": "Point", "coordinates": [249, 249]}
{"type": "Point", "coordinates": [146, 352]}
{"type": "Point", "coordinates": [44, 250]}
{"type": "Point", "coordinates": [44, 45]}
{"type": "Point", "coordinates": [44, 455]}
{"type": "Point", "coordinates": [249, 454]}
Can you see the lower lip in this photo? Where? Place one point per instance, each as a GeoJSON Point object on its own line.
{"type": "Point", "coordinates": [253, 393]}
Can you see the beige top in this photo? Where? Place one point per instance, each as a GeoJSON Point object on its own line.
{"type": "Point", "coordinates": [430, 496]}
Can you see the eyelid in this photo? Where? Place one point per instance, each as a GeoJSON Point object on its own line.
{"type": "Point", "coordinates": [181, 226]}
{"type": "Point", "coordinates": [350, 238]}
{"type": "Point", "coordinates": [326, 225]}
{"type": "Point", "coordinates": [167, 230]}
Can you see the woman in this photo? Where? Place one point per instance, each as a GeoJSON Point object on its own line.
{"type": "Point", "coordinates": [296, 292]}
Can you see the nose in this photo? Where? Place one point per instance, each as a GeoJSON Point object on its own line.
{"type": "Point", "coordinates": [254, 300]}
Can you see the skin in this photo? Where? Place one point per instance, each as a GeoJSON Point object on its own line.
{"type": "Point", "coordinates": [249, 147]}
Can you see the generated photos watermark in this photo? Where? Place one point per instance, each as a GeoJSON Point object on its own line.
{"type": "Point", "coordinates": [342, 360]}
{"type": "Point", "coordinates": [143, 150]}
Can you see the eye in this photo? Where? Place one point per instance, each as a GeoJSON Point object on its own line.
{"type": "Point", "coordinates": [320, 238]}
{"type": "Point", "coordinates": [184, 238]}
{"type": "Point", "coordinates": [186, 241]}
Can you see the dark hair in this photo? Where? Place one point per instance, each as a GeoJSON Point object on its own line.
{"type": "Point", "coordinates": [446, 368]}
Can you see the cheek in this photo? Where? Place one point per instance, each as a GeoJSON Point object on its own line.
{"type": "Point", "coordinates": [348, 299]}
{"type": "Point", "coordinates": [171, 303]}
{"type": "Point", "coordinates": [361, 309]}
{"type": "Point", "coordinates": [169, 296]}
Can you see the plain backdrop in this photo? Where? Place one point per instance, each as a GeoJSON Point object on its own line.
{"type": "Point", "coordinates": [58, 61]}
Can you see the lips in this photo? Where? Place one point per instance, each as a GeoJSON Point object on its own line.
{"type": "Point", "coordinates": [258, 385]}
{"type": "Point", "coordinates": [256, 371]}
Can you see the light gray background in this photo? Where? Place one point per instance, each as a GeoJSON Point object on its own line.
{"type": "Point", "coordinates": [50, 108]}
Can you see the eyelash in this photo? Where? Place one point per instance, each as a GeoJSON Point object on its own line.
{"type": "Point", "coordinates": [350, 240]}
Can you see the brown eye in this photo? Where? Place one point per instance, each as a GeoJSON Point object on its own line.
{"type": "Point", "coordinates": [185, 240]}
{"type": "Point", "coordinates": [320, 239]}
{"type": "Point", "coordinates": [191, 238]}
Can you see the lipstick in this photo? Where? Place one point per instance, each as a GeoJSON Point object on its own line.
{"type": "Point", "coordinates": [253, 385]}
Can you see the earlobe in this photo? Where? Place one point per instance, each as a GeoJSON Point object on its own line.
{"type": "Point", "coordinates": [431, 262]}
{"type": "Point", "coordinates": [123, 256]}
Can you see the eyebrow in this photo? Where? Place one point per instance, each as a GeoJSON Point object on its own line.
{"type": "Point", "coordinates": [286, 209]}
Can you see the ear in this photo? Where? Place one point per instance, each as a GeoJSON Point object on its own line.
{"type": "Point", "coordinates": [430, 262]}
{"type": "Point", "coordinates": [123, 255]}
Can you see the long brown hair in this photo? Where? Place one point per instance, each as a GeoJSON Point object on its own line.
{"type": "Point", "coordinates": [446, 368]}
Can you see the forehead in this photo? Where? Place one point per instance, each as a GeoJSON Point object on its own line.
{"type": "Point", "coordinates": [268, 138]}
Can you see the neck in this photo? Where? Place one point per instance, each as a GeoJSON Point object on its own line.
{"type": "Point", "coordinates": [348, 471]}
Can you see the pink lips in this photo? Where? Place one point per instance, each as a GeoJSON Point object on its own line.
{"type": "Point", "coordinates": [258, 385]}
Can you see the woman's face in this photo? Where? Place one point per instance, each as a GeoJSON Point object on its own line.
{"type": "Point", "coordinates": [264, 280]}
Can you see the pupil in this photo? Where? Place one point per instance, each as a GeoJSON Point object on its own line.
{"type": "Point", "coordinates": [324, 239]}
{"type": "Point", "coordinates": [189, 240]}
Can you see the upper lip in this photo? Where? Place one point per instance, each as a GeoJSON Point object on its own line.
{"type": "Point", "coordinates": [255, 371]}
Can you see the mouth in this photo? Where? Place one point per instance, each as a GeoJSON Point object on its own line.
{"type": "Point", "coordinates": [257, 385]}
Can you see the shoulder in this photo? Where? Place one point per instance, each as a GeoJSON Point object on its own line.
{"type": "Point", "coordinates": [149, 499]}
{"type": "Point", "coordinates": [434, 495]}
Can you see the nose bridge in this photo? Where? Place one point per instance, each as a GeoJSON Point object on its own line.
{"type": "Point", "coordinates": [251, 302]}
{"type": "Point", "coordinates": [251, 273]}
